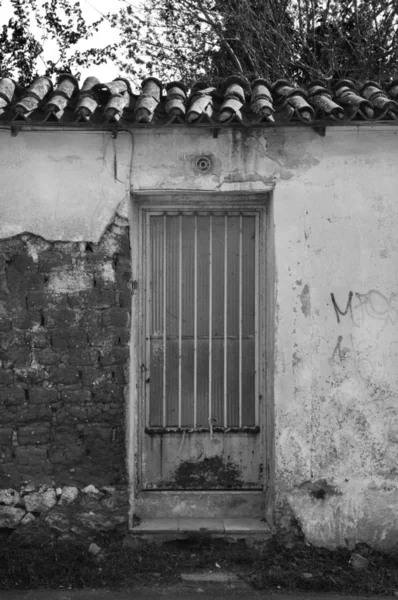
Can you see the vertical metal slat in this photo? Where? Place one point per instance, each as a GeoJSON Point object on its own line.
{"type": "Point", "coordinates": [195, 325]}
{"type": "Point", "coordinates": [164, 318]}
{"type": "Point", "coordinates": [225, 318]}
{"type": "Point", "coordinates": [148, 264]}
{"type": "Point", "coordinates": [240, 317]}
{"type": "Point", "coordinates": [256, 321]}
{"type": "Point", "coordinates": [180, 322]}
{"type": "Point", "coordinates": [210, 313]}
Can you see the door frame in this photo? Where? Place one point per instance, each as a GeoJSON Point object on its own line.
{"type": "Point", "coordinates": [136, 409]}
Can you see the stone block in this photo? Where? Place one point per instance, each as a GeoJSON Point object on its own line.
{"type": "Point", "coordinates": [125, 300]}
{"type": "Point", "coordinates": [16, 356]}
{"type": "Point", "coordinates": [95, 378]}
{"type": "Point", "coordinates": [89, 319]}
{"type": "Point", "coordinates": [10, 516]}
{"type": "Point", "coordinates": [30, 455]}
{"type": "Point", "coordinates": [28, 519]}
{"type": "Point", "coordinates": [38, 339]}
{"type": "Point", "coordinates": [30, 375]}
{"type": "Point", "coordinates": [40, 501]}
{"type": "Point", "coordinates": [54, 261]}
{"type": "Point", "coordinates": [40, 300]}
{"type": "Point", "coordinates": [38, 433]}
{"type": "Point", "coordinates": [6, 377]}
{"type": "Point", "coordinates": [5, 323]}
{"type": "Point", "coordinates": [42, 396]}
{"type": "Point", "coordinates": [95, 298]}
{"type": "Point", "coordinates": [84, 357]}
{"type": "Point", "coordinates": [60, 317]}
{"type": "Point", "coordinates": [13, 396]}
{"type": "Point", "coordinates": [104, 276]}
{"type": "Point", "coordinates": [23, 319]}
{"type": "Point", "coordinates": [91, 489]}
{"type": "Point", "coordinates": [109, 393]}
{"type": "Point", "coordinates": [47, 357]}
{"type": "Point", "coordinates": [68, 495]}
{"type": "Point", "coordinates": [63, 375]}
{"type": "Point", "coordinates": [5, 435]}
{"type": "Point", "coordinates": [69, 338]}
{"type": "Point", "coordinates": [34, 412]}
{"type": "Point", "coordinates": [75, 396]}
{"type": "Point", "coordinates": [116, 317]}
{"type": "Point", "coordinates": [116, 356]}
{"type": "Point", "coordinates": [117, 373]}
{"type": "Point", "coordinates": [109, 338]}
{"type": "Point", "coordinates": [8, 414]}
{"type": "Point", "coordinates": [22, 263]}
{"type": "Point", "coordinates": [9, 497]}
{"type": "Point", "coordinates": [64, 453]}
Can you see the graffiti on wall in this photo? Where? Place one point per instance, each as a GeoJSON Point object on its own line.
{"type": "Point", "coordinates": [368, 342]}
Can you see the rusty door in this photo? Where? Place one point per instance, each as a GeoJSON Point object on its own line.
{"type": "Point", "coordinates": [201, 377]}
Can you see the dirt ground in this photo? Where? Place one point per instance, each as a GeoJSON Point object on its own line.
{"type": "Point", "coordinates": [274, 567]}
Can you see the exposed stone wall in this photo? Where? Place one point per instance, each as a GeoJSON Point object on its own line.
{"type": "Point", "coordinates": [45, 512]}
{"type": "Point", "coordinates": [64, 354]}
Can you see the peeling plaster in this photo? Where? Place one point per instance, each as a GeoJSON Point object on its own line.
{"type": "Point", "coordinates": [305, 300]}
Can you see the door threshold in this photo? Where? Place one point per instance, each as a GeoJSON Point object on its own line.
{"type": "Point", "coordinates": [184, 526]}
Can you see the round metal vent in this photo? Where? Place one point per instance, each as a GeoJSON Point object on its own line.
{"type": "Point", "coordinates": [203, 164]}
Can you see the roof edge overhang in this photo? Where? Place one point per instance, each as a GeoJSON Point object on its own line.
{"type": "Point", "coordinates": [319, 127]}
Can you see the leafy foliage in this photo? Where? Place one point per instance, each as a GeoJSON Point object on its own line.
{"type": "Point", "coordinates": [293, 39]}
{"type": "Point", "coordinates": [59, 24]}
{"type": "Point", "coordinates": [209, 39]}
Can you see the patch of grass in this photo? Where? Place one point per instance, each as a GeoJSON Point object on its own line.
{"type": "Point", "coordinates": [68, 564]}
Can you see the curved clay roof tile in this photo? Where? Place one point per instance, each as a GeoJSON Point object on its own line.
{"type": "Point", "coordinates": [234, 98]}
{"type": "Point", "coordinates": [201, 103]}
{"type": "Point", "coordinates": [321, 99]}
{"type": "Point", "coordinates": [66, 88]}
{"type": "Point", "coordinates": [7, 89]}
{"type": "Point", "coordinates": [379, 99]}
{"type": "Point", "coordinates": [116, 105]}
{"type": "Point", "coordinates": [392, 89]}
{"type": "Point", "coordinates": [148, 99]}
{"type": "Point", "coordinates": [87, 100]}
{"type": "Point", "coordinates": [293, 100]}
{"type": "Point", "coordinates": [261, 100]}
{"type": "Point", "coordinates": [35, 93]}
{"type": "Point", "coordinates": [354, 104]}
{"type": "Point", "coordinates": [176, 99]}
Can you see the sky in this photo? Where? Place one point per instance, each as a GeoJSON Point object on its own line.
{"type": "Point", "coordinates": [92, 10]}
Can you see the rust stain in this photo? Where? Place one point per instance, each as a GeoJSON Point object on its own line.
{"type": "Point", "coordinates": [209, 473]}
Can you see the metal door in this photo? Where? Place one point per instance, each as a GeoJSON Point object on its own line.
{"type": "Point", "coordinates": [202, 350]}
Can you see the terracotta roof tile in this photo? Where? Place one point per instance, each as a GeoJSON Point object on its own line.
{"type": "Point", "coordinates": [232, 101]}
{"type": "Point", "coordinates": [176, 100]}
{"type": "Point", "coordinates": [261, 100]}
{"type": "Point", "coordinates": [321, 100]}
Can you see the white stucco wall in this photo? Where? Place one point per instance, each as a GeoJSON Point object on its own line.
{"type": "Point", "coordinates": [336, 387]}
{"type": "Point", "coordinates": [61, 185]}
{"type": "Point", "coordinates": [335, 220]}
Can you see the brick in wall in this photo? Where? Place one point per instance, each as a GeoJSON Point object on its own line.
{"type": "Point", "coordinates": [64, 335]}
